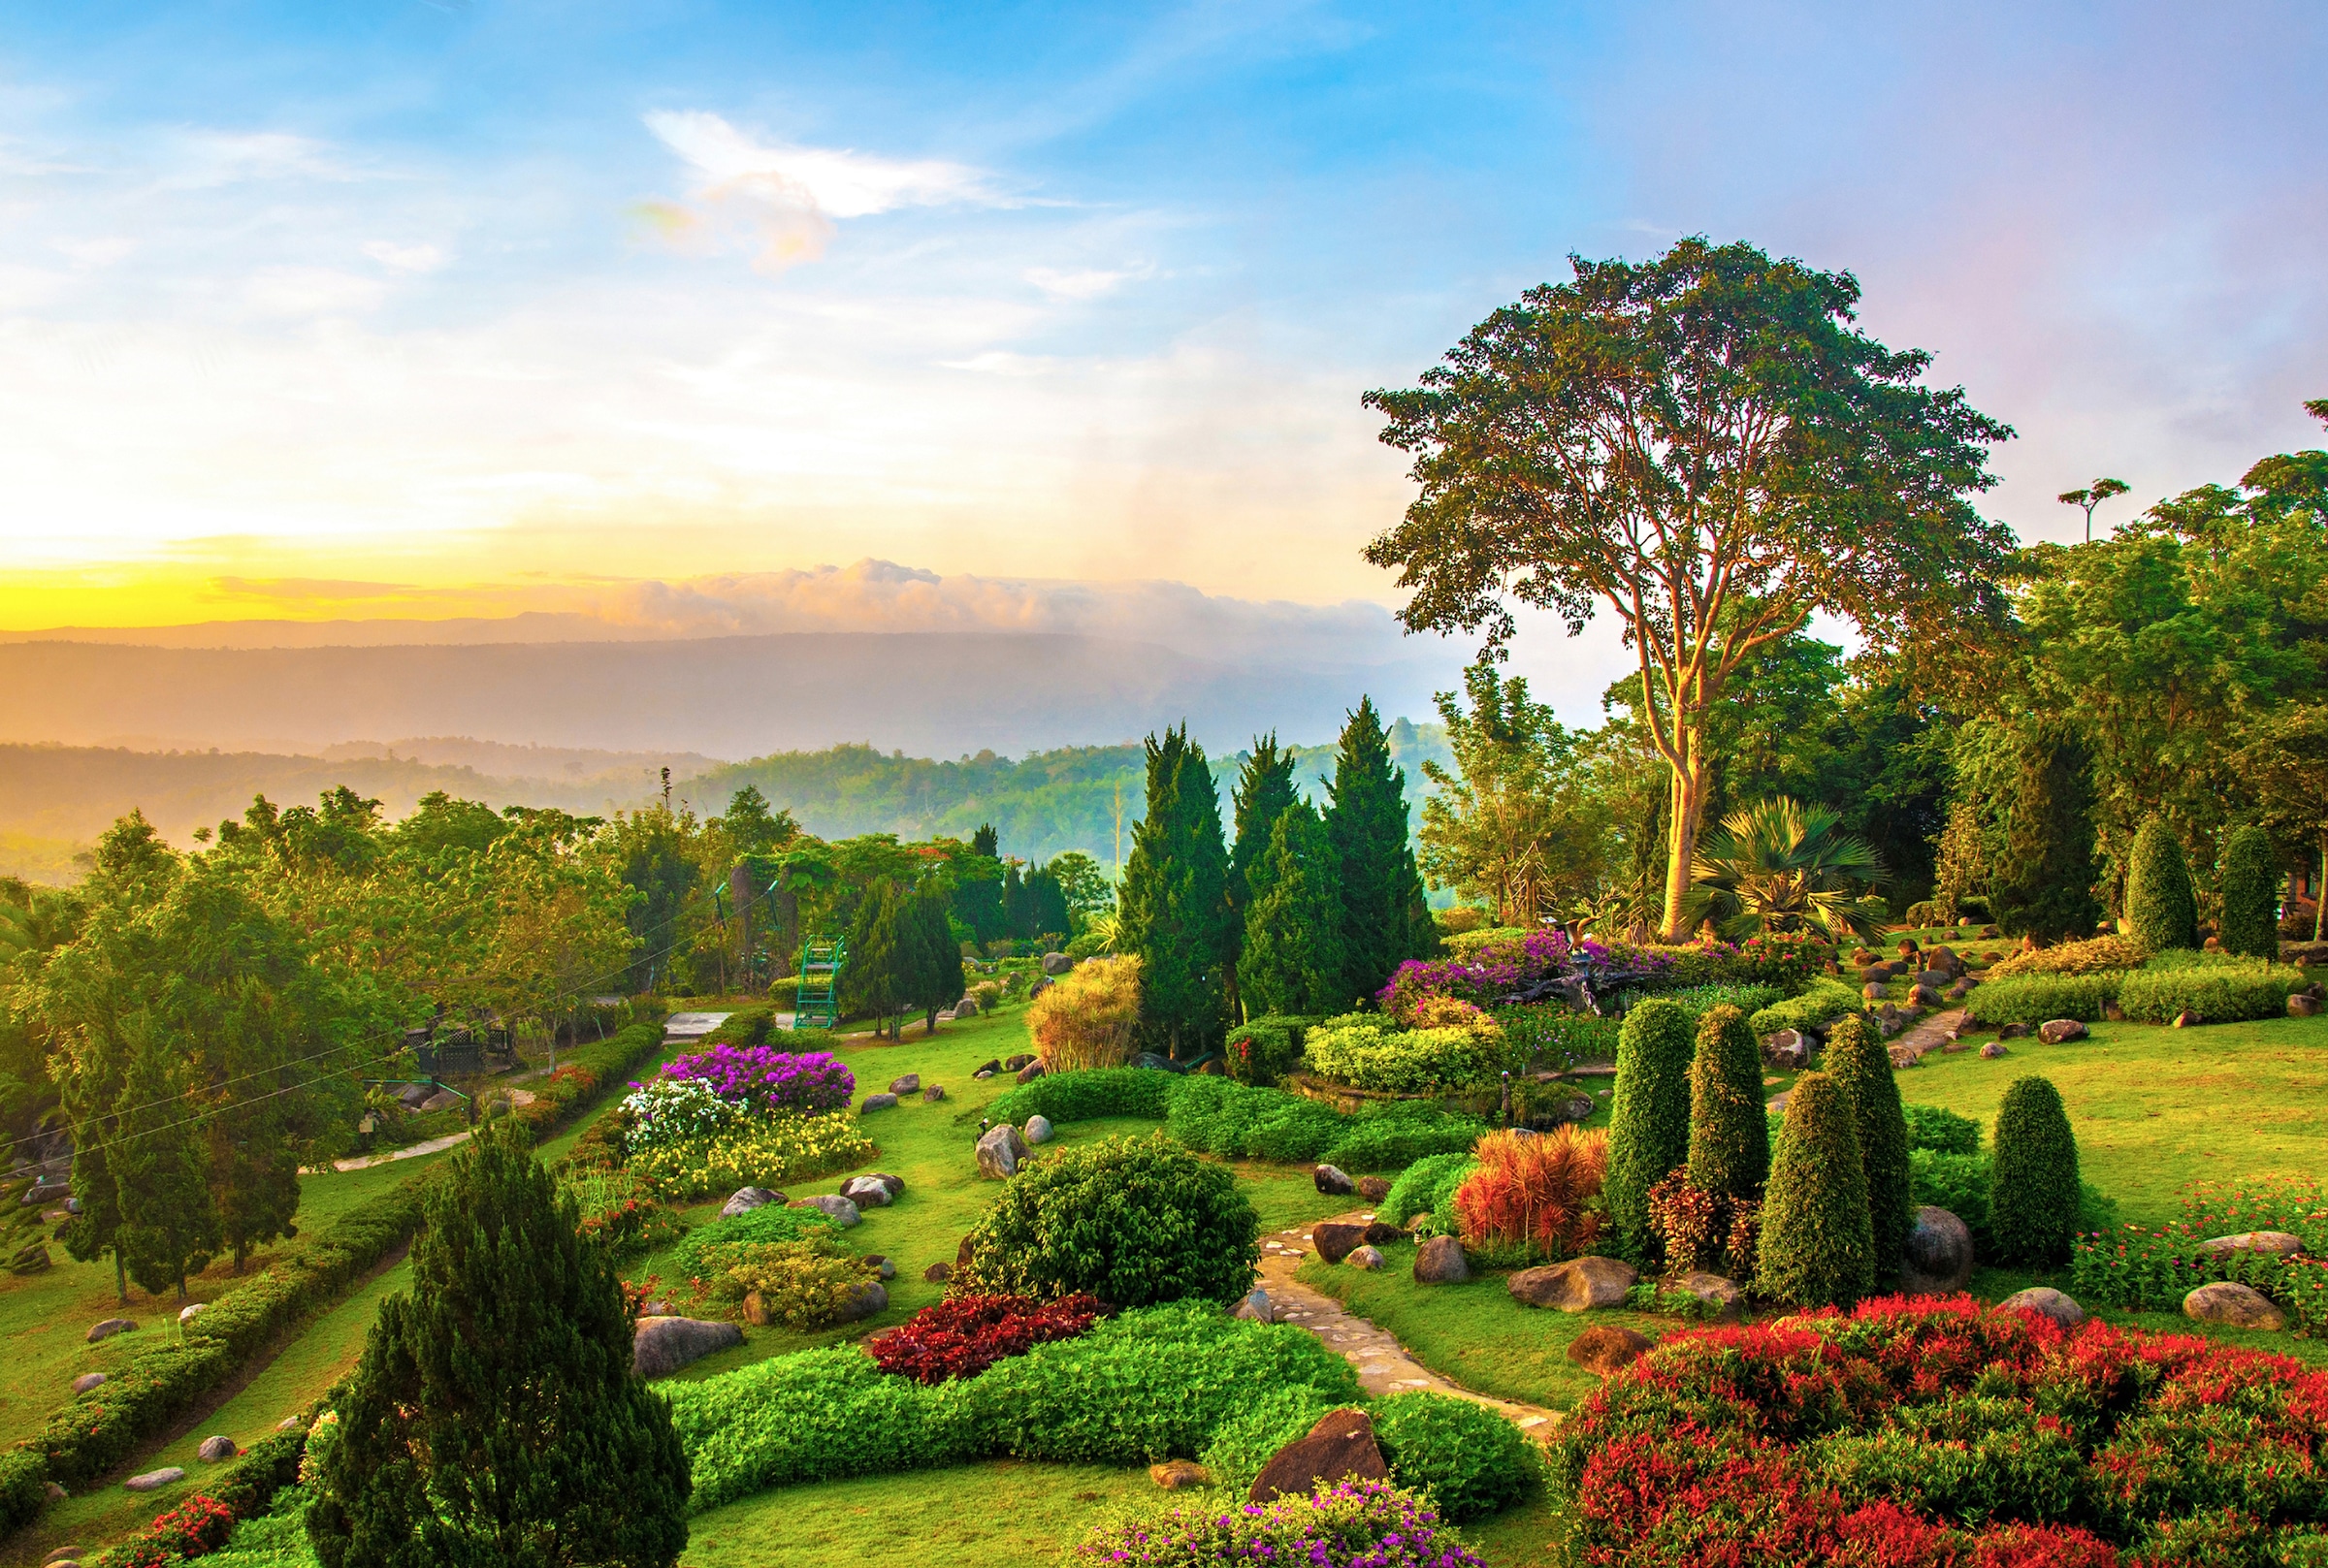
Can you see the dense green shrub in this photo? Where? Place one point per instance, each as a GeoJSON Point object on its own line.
{"type": "Point", "coordinates": [1940, 1130]}
{"type": "Point", "coordinates": [1703, 999]}
{"type": "Point", "coordinates": [2250, 889]}
{"type": "Point", "coordinates": [1427, 1186]}
{"type": "Point", "coordinates": [1244, 1444]}
{"type": "Point", "coordinates": [1215, 1116]}
{"type": "Point", "coordinates": [1263, 1052]}
{"type": "Point", "coordinates": [1132, 1221]}
{"type": "Point", "coordinates": [2033, 999]}
{"type": "Point", "coordinates": [1827, 999]}
{"type": "Point", "coordinates": [1958, 1183]}
{"type": "Point", "coordinates": [1649, 1125]}
{"type": "Point", "coordinates": [1464, 1457]}
{"type": "Point", "coordinates": [2162, 911]}
{"type": "Point", "coordinates": [1365, 1053]}
{"type": "Point", "coordinates": [746, 1026]}
{"type": "Point", "coordinates": [1729, 1140]}
{"type": "Point", "coordinates": [2043, 885]}
{"type": "Point", "coordinates": [2217, 988]}
{"type": "Point", "coordinates": [1856, 1059]}
{"type": "Point", "coordinates": [770, 1223]}
{"type": "Point", "coordinates": [1547, 1035]}
{"type": "Point", "coordinates": [2033, 1192]}
{"type": "Point", "coordinates": [1087, 1095]}
{"type": "Point", "coordinates": [1818, 1242]}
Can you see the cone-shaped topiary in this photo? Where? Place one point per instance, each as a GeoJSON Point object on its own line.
{"type": "Point", "coordinates": [2161, 905]}
{"type": "Point", "coordinates": [1729, 1131]}
{"type": "Point", "coordinates": [1856, 1059]}
{"type": "Point", "coordinates": [2033, 1198]}
{"type": "Point", "coordinates": [494, 1416]}
{"type": "Point", "coordinates": [2250, 895]}
{"type": "Point", "coordinates": [1818, 1248]}
{"type": "Point", "coordinates": [1649, 1125]}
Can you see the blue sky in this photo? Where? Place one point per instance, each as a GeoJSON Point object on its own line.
{"type": "Point", "coordinates": [459, 309]}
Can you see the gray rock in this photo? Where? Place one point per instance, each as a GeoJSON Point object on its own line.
{"type": "Point", "coordinates": [88, 1381]}
{"type": "Point", "coordinates": [910, 1084]}
{"type": "Point", "coordinates": [1030, 1073]}
{"type": "Point", "coordinates": [967, 1008]}
{"type": "Point", "coordinates": [844, 1212]}
{"type": "Point", "coordinates": [1903, 1057]}
{"type": "Point", "coordinates": [155, 1479]}
{"type": "Point", "coordinates": [1440, 1261]}
{"type": "Point", "coordinates": [1038, 1129]}
{"type": "Point", "coordinates": [1715, 1291]}
{"type": "Point", "coordinates": [2046, 1302]}
{"type": "Point", "coordinates": [1788, 1049]}
{"type": "Point", "coordinates": [2234, 1305]}
{"type": "Point", "coordinates": [1872, 991]}
{"type": "Point", "coordinates": [1043, 983]}
{"type": "Point", "coordinates": [999, 1152]}
{"type": "Point", "coordinates": [1578, 1285]}
{"type": "Point", "coordinates": [984, 1073]}
{"type": "Point", "coordinates": [289, 1424]}
{"type": "Point", "coordinates": [1937, 1256]}
{"type": "Point", "coordinates": [988, 1068]}
{"type": "Point", "coordinates": [2300, 1005]}
{"type": "Point", "coordinates": [1159, 1064]}
{"type": "Point", "coordinates": [187, 1314]}
{"type": "Point", "coordinates": [747, 1198]}
{"type": "Point", "coordinates": [216, 1446]}
{"type": "Point", "coordinates": [1256, 1307]}
{"type": "Point", "coordinates": [2013, 1032]}
{"type": "Point", "coordinates": [1012, 1064]}
{"type": "Point", "coordinates": [1331, 1181]}
{"type": "Point", "coordinates": [2061, 1031]}
{"type": "Point", "coordinates": [413, 1096]}
{"type": "Point", "coordinates": [662, 1346]}
{"type": "Point", "coordinates": [1994, 1050]}
{"type": "Point", "coordinates": [1367, 1258]}
{"type": "Point", "coordinates": [863, 1301]}
{"type": "Point", "coordinates": [110, 1328]}
{"type": "Point", "coordinates": [442, 1100]}
{"type": "Point", "coordinates": [1958, 991]}
{"type": "Point", "coordinates": [1056, 963]}
{"type": "Point", "coordinates": [895, 1184]}
{"type": "Point", "coordinates": [865, 1192]}
{"type": "Point", "coordinates": [2270, 1243]}
{"type": "Point", "coordinates": [874, 1103]}
{"type": "Point", "coordinates": [933, 1093]}
{"type": "Point", "coordinates": [881, 1265]}
{"type": "Point", "coordinates": [938, 1274]}
{"type": "Point", "coordinates": [1934, 979]}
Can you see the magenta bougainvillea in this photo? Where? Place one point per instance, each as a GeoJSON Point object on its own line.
{"type": "Point", "coordinates": [766, 1078]}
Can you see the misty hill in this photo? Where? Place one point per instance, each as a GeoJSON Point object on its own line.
{"type": "Point", "coordinates": [943, 693]}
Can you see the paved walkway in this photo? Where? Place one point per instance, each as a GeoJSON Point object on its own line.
{"type": "Point", "coordinates": [1384, 1365]}
{"type": "Point", "coordinates": [1929, 1033]}
{"type": "Point", "coordinates": [410, 1151]}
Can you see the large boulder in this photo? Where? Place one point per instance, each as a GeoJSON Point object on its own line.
{"type": "Point", "coordinates": [2046, 1302]}
{"type": "Point", "coordinates": [155, 1479]}
{"type": "Point", "coordinates": [88, 1381]}
{"type": "Point", "coordinates": [1056, 963]}
{"type": "Point", "coordinates": [869, 1192]}
{"type": "Point", "coordinates": [1012, 1064]}
{"type": "Point", "coordinates": [2270, 1243]}
{"type": "Point", "coordinates": [967, 1008]}
{"type": "Point", "coordinates": [1331, 1181]}
{"type": "Point", "coordinates": [1342, 1444]}
{"type": "Point", "coordinates": [187, 1314]}
{"type": "Point", "coordinates": [1992, 1050]}
{"type": "Point", "coordinates": [747, 1198]}
{"type": "Point", "coordinates": [1336, 1239]}
{"type": "Point", "coordinates": [2300, 1005]}
{"type": "Point", "coordinates": [2061, 1031]}
{"type": "Point", "coordinates": [1937, 1258]}
{"type": "Point", "coordinates": [1715, 1290]}
{"type": "Point", "coordinates": [843, 1211]}
{"type": "Point", "coordinates": [1179, 1475]}
{"type": "Point", "coordinates": [1934, 979]}
{"type": "Point", "coordinates": [216, 1446]}
{"type": "Point", "coordinates": [999, 1151]}
{"type": "Point", "coordinates": [988, 1068]}
{"type": "Point", "coordinates": [1373, 1189]}
{"type": "Point", "coordinates": [934, 1093]}
{"type": "Point", "coordinates": [2234, 1305]}
{"type": "Point", "coordinates": [110, 1328]}
{"type": "Point", "coordinates": [1368, 1258]}
{"type": "Point", "coordinates": [1789, 1050]}
{"type": "Point", "coordinates": [874, 1103]}
{"type": "Point", "coordinates": [1256, 1307]}
{"type": "Point", "coordinates": [1030, 1073]}
{"type": "Point", "coordinates": [2013, 1032]}
{"type": "Point", "coordinates": [661, 1346]}
{"type": "Point", "coordinates": [1440, 1261]}
{"type": "Point", "coordinates": [1577, 1286]}
{"type": "Point", "coordinates": [863, 1301]}
{"type": "Point", "coordinates": [909, 1084]}
{"type": "Point", "coordinates": [1038, 1129]}
{"type": "Point", "coordinates": [1607, 1349]}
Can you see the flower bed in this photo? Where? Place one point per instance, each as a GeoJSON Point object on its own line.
{"type": "Point", "coordinates": [964, 1335]}
{"type": "Point", "coordinates": [2152, 1268]}
{"type": "Point", "coordinates": [762, 1152]}
{"type": "Point", "coordinates": [1943, 1432]}
{"type": "Point", "coordinates": [766, 1079]}
{"type": "Point", "coordinates": [1352, 1524]}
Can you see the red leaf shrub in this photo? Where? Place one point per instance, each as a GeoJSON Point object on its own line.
{"type": "Point", "coordinates": [964, 1335]}
{"type": "Point", "coordinates": [1946, 1434]}
{"type": "Point", "coordinates": [1540, 1192]}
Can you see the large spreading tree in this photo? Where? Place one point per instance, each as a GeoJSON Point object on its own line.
{"type": "Point", "coordinates": [1705, 445]}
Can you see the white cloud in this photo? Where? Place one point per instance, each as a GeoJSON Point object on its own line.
{"type": "Point", "coordinates": [199, 160]}
{"type": "Point", "coordinates": [422, 258]}
{"type": "Point", "coordinates": [1087, 283]}
{"type": "Point", "coordinates": [101, 252]}
{"type": "Point", "coordinates": [997, 362]}
{"type": "Point", "coordinates": [27, 288]}
{"type": "Point", "coordinates": [837, 183]}
{"type": "Point", "coordinates": [311, 291]}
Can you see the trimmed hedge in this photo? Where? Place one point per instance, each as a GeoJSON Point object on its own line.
{"type": "Point", "coordinates": [2218, 988]}
{"type": "Point", "coordinates": [2033, 999]}
{"type": "Point", "coordinates": [1860, 1065]}
{"type": "Point", "coordinates": [1730, 1135]}
{"type": "Point", "coordinates": [2250, 888]}
{"type": "Point", "coordinates": [1825, 1002]}
{"type": "Point", "coordinates": [2162, 910]}
{"type": "Point", "coordinates": [1088, 1095]}
{"type": "Point", "coordinates": [1818, 1242]}
{"type": "Point", "coordinates": [2034, 1197]}
{"type": "Point", "coordinates": [1649, 1127]}
{"type": "Point", "coordinates": [1266, 1049]}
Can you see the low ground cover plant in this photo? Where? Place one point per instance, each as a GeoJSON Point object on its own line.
{"type": "Point", "coordinates": [2153, 1267]}
{"type": "Point", "coordinates": [1466, 1458]}
{"type": "Point", "coordinates": [768, 1222]}
{"type": "Point", "coordinates": [622, 1210]}
{"type": "Point", "coordinates": [1351, 1524]}
{"type": "Point", "coordinates": [962, 1335]}
{"type": "Point", "coordinates": [1946, 1432]}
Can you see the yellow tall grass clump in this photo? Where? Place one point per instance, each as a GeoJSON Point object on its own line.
{"type": "Point", "coordinates": [1543, 1190]}
{"type": "Point", "coordinates": [1085, 1017]}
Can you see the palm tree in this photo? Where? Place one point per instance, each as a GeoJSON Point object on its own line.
{"type": "Point", "coordinates": [1779, 865]}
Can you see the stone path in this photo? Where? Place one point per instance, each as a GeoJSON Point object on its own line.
{"type": "Point", "coordinates": [1383, 1364]}
{"type": "Point", "coordinates": [410, 1151]}
{"type": "Point", "coordinates": [1929, 1033]}
{"type": "Point", "coordinates": [691, 1025]}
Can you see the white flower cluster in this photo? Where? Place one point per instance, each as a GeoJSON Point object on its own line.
{"type": "Point", "coordinates": [674, 1111]}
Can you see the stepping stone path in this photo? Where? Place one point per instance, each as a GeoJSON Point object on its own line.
{"type": "Point", "coordinates": [1384, 1368]}
{"type": "Point", "coordinates": [1930, 1034]}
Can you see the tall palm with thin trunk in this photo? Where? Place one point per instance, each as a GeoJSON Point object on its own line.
{"type": "Point", "coordinates": [1780, 865]}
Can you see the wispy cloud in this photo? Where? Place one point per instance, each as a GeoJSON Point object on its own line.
{"type": "Point", "coordinates": [201, 159]}
{"type": "Point", "coordinates": [420, 258]}
{"type": "Point", "coordinates": [1084, 283]}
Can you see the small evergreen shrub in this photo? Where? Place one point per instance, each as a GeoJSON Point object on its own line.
{"type": "Point", "coordinates": [2161, 908]}
{"type": "Point", "coordinates": [2250, 889]}
{"type": "Point", "coordinates": [1825, 1001]}
{"type": "Point", "coordinates": [1427, 1186]}
{"type": "Point", "coordinates": [1856, 1059]}
{"type": "Point", "coordinates": [1958, 1183]}
{"type": "Point", "coordinates": [1216, 1116]}
{"type": "Point", "coordinates": [1263, 1052]}
{"type": "Point", "coordinates": [1729, 1148]}
{"type": "Point", "coordinates": [1464, 1457]}
{"type": "Point", "coordinates": [1940, 1130]}
{"type": "Point", "coordinates": [746, 1026]}
{"type": "Point", "coordinates": [2033, 1190]}
{"type": "Point", "coordinates": [1082, 1097]}
{"type": "Point", "coordinates": [1131, 1221]}
{"type": "Point", "coordinates": [2034, 999]}
{"type": "Point", "coordinates": [1649, 1125]}
{"type": "Point", "coordinates": [1818, 1239]}
{"type": "Point", "coordinates": [2217, 988]}
{"type": "Point", "coordinates": [1366, 1054]}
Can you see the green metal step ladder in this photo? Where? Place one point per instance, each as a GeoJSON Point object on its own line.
{"type": "Point", "coordinates": [819, 1005]}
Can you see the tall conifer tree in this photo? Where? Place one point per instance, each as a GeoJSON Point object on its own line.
{"type": "Point", "coordinates": [938, 978]}
{"type": "Point", "coordinates": [877, 976]}
{"type": "Point", "coordinates": [169, 1222]}
{"type": "Point", "coordinates": [1173, 910]}
{"type": "Point", "coordinates": [1385, 919]}
{"type": "Point", "coordinates": [1265, 790]}
{"type": "Point", "coordinates": [2044, 888]}
{"type": "Point", "coordinates": [1292, 958]}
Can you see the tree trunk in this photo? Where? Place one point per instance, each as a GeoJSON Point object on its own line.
{"type": "Point", "coordinates": [2319, 889]}
{"type": "Point", "coordinates": [1687, 799]}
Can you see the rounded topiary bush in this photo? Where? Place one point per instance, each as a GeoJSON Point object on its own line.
{"type": "Point", "coordinates": [1818, 1245]}
{"type": "Point", "coordinates": [2161, 905]}
{"type": "Point", "coordinates": [1133, 1221]}
{"type": "Point", "coordinates": [2033, 1200]}
{"type": "Point", "coordinates": [1862, 1067]}
{"type": "Point", "coordinates": [1729, 1132]}
{"type": "Point", "coordinates": [1649, 1125]}
{"type": "Point", "coordinates": [2251, 885]}
{"type": "Point", "coordinates": [1464, 1457]}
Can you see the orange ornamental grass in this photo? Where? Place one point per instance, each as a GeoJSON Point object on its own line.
{"type": "Point", "coordinates": [1538, 1190]}
{"type": "Point", "coordinates": [1085, 1017]}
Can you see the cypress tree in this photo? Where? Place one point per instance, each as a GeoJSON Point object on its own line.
{"type": "Point", "coordinates": [986, 841]}
{"type": "Point", "coordinates": [2033, 1197]}
{"type": "Point", "coordinates": [1173, 908]}
{"type": "Point", "coordinates": [2251, 885]}
{"type": "Point", "coordinates": [494, 1416]}
{"type": "Point", "coordinates": [1862, 1067]}
{"type": "Point", "coordinates": [1017, 909]}
{"type": "Point", "coordinates": [1729, 1131]}
{"type": "Point", "coordinates": [1817, 1244]}
{"type": "Point", "coordinates": [1649, 1125]}
{"type": "Point", "coordinates": [1045, 904]}
{"type": "Point", "coordinates": [2161, 907]}
{"type": "Point", "coordinates": [1292, 959]}
{"type": "Point", "coordinates": [1380, 889]}
{"type": "Point", "coordinates": [938, 977]}
{"type": "Point", "coordinates": [1265, 791]}
{"type": "Point", "coordinates": [169, 1221]}
{"type": "Point", "coordinates": [2045, 886]}
{"type": "Point", "coordinates": [877, 972]}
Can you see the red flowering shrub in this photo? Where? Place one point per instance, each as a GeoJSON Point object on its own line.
{"type": "Point", "coordinates": [1946, 1434]}
{"type": "Point", "coordinates": [964, 1335]}
{"type": "Point", "coordinates": [194, 1528]}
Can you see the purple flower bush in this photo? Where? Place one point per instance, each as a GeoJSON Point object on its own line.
{"type": "Point", "coordinates": [1352, 1524]}
{"type": "Point", "coordinates": [1541, 966]}
{"type": "Point", "coordinates": [766, 1079]}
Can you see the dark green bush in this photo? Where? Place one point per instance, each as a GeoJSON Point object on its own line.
{"type": "Point", "coordinates": [2216, 988]}
{"type": "Point", "coordinates": [746, 1026]}
{"type": "Point", "coordinates": [2032, 999]}
{"type": "Point", "coordinates": [1942, 1131]}
{"type": "Point", "coordinates": [1826, 999]}
{"type": "Point", "coordinates": [1958, 1183]}
{"type": "Point", "coordinates": [1860, 1065]}
{"type": "Point", "coordinates": [1088, 1095]}
{"type": "Point", "coordinates": [1263, 1052]}
{"type": "Point", "coordinates": [2250, 889]}
{"type": "Point", "coordinates": [1132, 1221]}
{"type": "Point", "coordinates": [1469, 1460]}
{"type": "Point", "coordinates": [1818, 1242]}
{"type": "Point", "coordinates": [2162, 911]}
{"type": "Point", "coordinates": [2033, 1192]}
{"type": "Point", "coordinates": [1729, 1140]}
{"type": "Point", "coordinates": [1245, 1443]}
{"type": "Point", "coordinates": [1649, 1126]}
{"type": "Point", "coordinates": [1418, 1189]}
{"type": "Point", "coordinates": [1216, 1116]}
